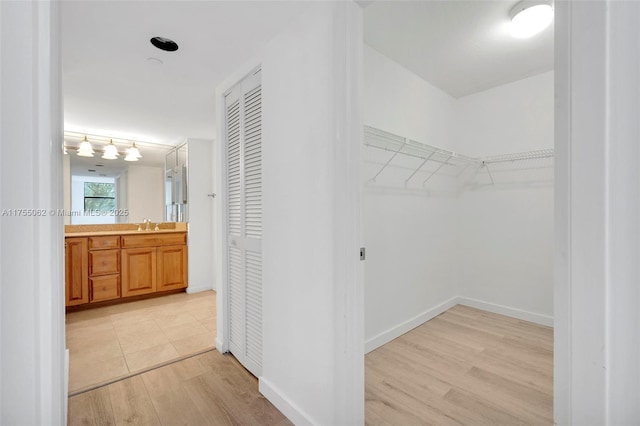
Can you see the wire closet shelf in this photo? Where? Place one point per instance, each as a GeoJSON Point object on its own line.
{"type": "Point", "coordinates": [438, 161]}
{"type": "Point", "coordinates": [434, 160]}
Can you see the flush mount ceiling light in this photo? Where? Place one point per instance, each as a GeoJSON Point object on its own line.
{"type": "Point", "coordinates": [133, 154]}
{"type": "Point", "coordinates": [164, 43]}
{"type": "Point", "coordinates": [529, 17]}
{"type": "Point", "coordinates": [85, 149]}
{"type": "Point", "coordinates": [110, 151]}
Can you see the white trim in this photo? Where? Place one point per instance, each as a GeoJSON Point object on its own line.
{"type": "Point", "coordinates": [507, 311]}
{"type": "Point", "coordinates": [35, 260]}
{"type": "Point", "coordinates": [1, 233]}
{"type": "Point", "coordinates": [221, 346]}
{"type": "Point", "coordinates": [562, 210]}
{"type": "Point", "coordinates": [296, 415]}
{"type": "Point", "coordinates": [408, 325]}
{"type": "Point", "coordinates": [348, 303]}
{"type": "Point", "coordinates": [197, 289]}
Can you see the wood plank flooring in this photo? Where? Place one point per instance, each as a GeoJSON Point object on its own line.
{"type": "Point", "coordinates": [466, 366]}
{"type": "Point", "coordinates": [207, 389]}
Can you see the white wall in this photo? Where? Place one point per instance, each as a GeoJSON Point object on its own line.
{"type": "Point", "coordinates": [145, 193]}
{"type": "Point", "coordinates": [514, 117]}
{"type": "Point", "coordinates": [400, 102]}
{"type": "Point", "coordinates": [77, 201]}
{"type": "Point", "coordinates": [122, 183]}
{"type": "Point", "coordinates": [456, 241]}
{"type": "Point", "coordinates": [409, 237]}
{"type": "Point", "coordinates": [32, 354]}
{"type": "Point", "coordinates": [200, 215]}
{"type": "Point", "coordinates": [313, 360]}
{"type": "Point", "coordinates": [505, 244]}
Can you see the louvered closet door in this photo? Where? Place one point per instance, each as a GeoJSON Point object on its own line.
{"type": "Point", "coordinates": [243, 107]}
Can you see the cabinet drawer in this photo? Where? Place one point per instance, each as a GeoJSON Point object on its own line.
{"type": "Point", "coordinates": [154, 240]}
{"type": "Point", "coordinates": [104, 262]}
{"type": "Point", "coordinates": [104, 242]}
{"type": "Point", "coordinates": [106, 287]}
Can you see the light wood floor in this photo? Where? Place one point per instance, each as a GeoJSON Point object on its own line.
{"type": "Point", "coordinates": [207, 389]}
{"type": "Point", "coordinates": [466, 366]}
{"type": "Point", "coordinates": [112, 342]}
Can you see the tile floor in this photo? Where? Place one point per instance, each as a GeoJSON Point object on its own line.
{"type": "Point", "coordinates": [114, 341]}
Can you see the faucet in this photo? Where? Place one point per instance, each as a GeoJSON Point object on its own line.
{"type": "Point", "coordinates": [148, 222]}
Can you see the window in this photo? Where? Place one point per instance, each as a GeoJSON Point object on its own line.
{"type": "Point", "coordinates": [99, 196]}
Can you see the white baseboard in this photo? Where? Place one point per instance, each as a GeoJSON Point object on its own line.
{"type": "Point", "coordinates": [284, 404]}
{"type": "Point", "coordinates": [198, 288]}
{"type": "Point", "coordinates": [400, 329]}
{"type": "Point", "coordinates": [220, 346]}
{"type": "Point", "coordinates": [507, 311]}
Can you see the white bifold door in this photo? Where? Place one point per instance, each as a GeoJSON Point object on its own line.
{"type": "Point", "coordinates": [243, 131]}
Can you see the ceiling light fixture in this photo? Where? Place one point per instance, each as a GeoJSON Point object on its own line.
{"type": "Point", "coordinates": [85, 149]}
{"type": "Point", "coordinates": [529, 17]}
{"type": "Point", "coordinates": [164, 43]}
{"type": "Point", "coordinates": [110, 151]}
{"type": "Point", "coordinates": [133, 154]}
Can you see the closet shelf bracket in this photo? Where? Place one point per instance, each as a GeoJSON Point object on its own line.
{"type": "Point", "coordinates": [486, 166]}
{"type": "Point", "coordinates": [373, 179]}
{"type": "Point", "coordinates": [437, 169]}
{"type": "Point", "coordinates": [418, 169]}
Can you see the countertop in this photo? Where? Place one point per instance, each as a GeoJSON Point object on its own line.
{"type": "Point", "coordinates": [127, 232]}
{"type": "Point", "coordinates": [122, 229]}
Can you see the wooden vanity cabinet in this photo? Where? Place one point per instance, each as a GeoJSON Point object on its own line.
{"type": "Point", "coordinates": [76, 271]}
{"type": "Point", "coordinates": [153, 262]}
{"type": "Point", "coordinates": [103, 288]}
{"type": "Point", "coordinates": [172, 267]}
{"type": "Point", "coordinates": [109, 267]}
{"type": "Point", "coordinates": [138, 271]}
{"type": "Point", "coordinates": [104, 268]}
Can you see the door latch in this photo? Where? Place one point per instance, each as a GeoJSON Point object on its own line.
{"type": "Point", "coordinates": [362, 253]}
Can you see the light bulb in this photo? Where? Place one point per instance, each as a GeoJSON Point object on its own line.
{"type": "Point", "coordinates": [528, 20]}
{"type": "Point", "coordinates": [85, 149]}
{"type": "Point", "coordinates": [133, 154]}
{"type": "Point", "coordinates": [110, 151]}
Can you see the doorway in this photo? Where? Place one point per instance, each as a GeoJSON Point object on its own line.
{"type": "Point", "coordinates": [458, 203]}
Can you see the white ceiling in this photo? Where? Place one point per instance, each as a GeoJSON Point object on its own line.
{"type": "Point", "coordinates": [111, 88]}
{"type": "Point", "coordinates": [461, 47]}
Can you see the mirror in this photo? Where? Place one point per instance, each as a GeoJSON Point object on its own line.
{"type": "Point", "coordinates": [102, 191]}
{"type": "Point", "coordinates": [176, 188]}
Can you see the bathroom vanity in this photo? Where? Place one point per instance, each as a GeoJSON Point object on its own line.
{"type": "Point", "coordinates": [106, 264]}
